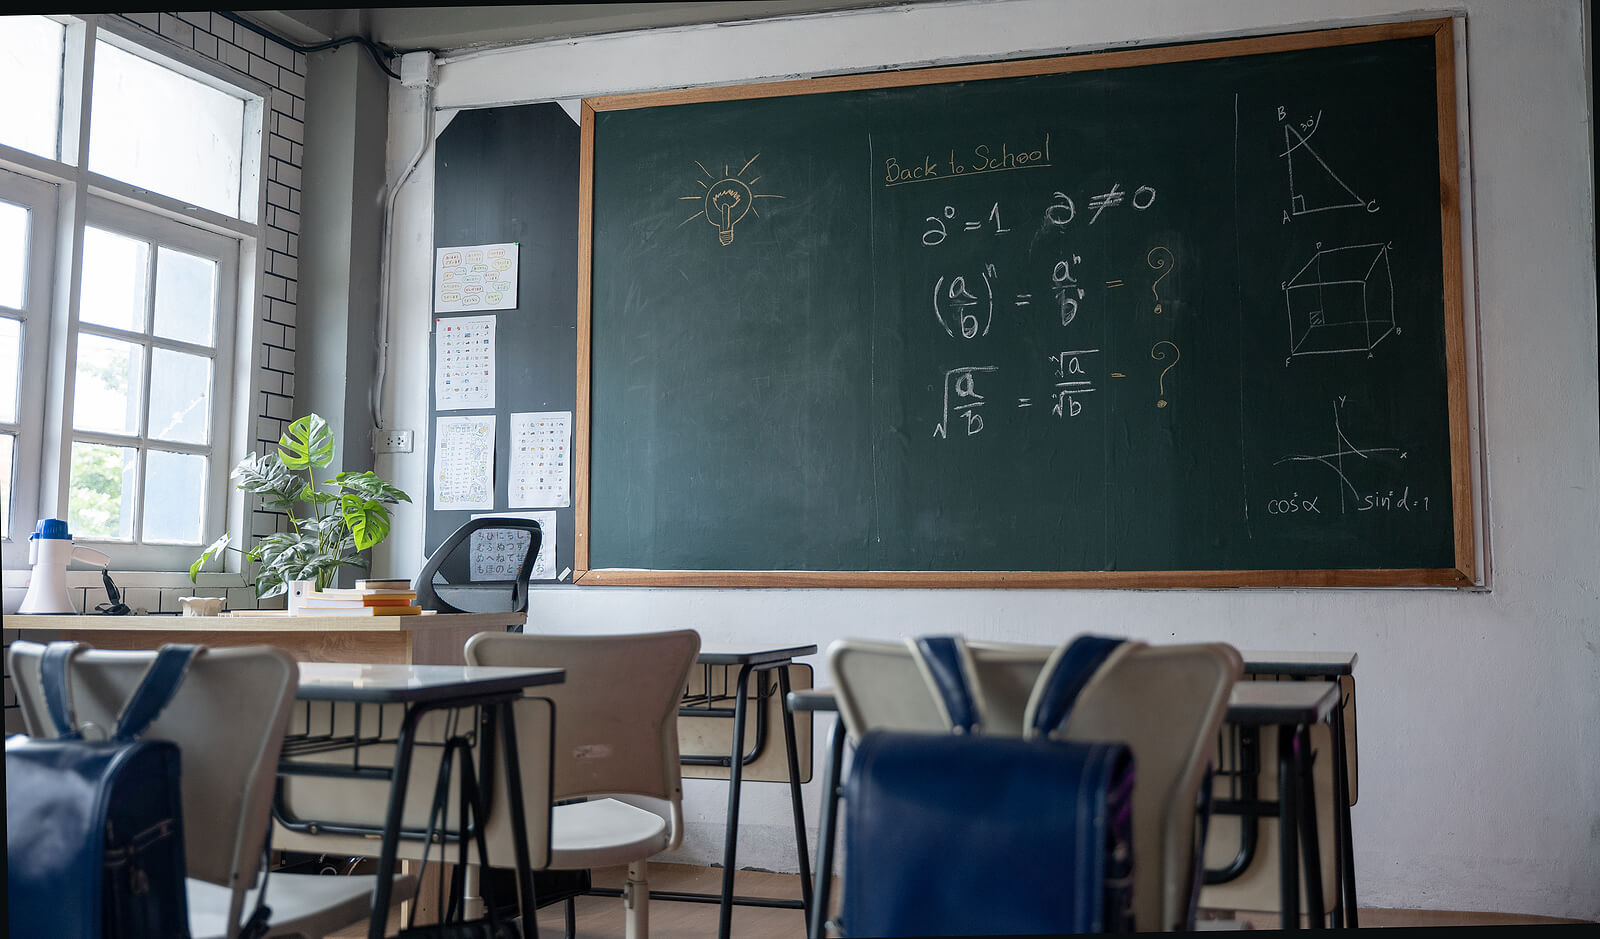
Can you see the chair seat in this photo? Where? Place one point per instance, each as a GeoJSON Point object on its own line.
{"type": "Point", "coordinates": [602, 833]}
{"type": "Point", "coordinates": [301, 904]}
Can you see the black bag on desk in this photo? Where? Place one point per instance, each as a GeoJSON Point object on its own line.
{"type": "Point", "coordinates": [94, 829]}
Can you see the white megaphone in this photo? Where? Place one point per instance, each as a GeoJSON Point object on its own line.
{"type": "Point", "coordinates": [50, 550]}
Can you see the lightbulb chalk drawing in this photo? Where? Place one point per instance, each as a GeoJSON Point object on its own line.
{"type": "Point", "coordinates": [727, 199]}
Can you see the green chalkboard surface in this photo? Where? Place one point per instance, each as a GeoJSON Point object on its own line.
{"type": "Point", "coordinates": [1173, 316]}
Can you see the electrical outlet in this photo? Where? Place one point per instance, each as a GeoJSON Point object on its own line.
{"type": "Point", "coordinates": [391, 441]}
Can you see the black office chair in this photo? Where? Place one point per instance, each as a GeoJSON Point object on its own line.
{"type": "Point", "coordinates": [446, 584]}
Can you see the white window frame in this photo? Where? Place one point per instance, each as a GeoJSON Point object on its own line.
{"type": "Point", "coordinates": [85, 198]}
{"type": "Point", "coordinates": [40, 199]}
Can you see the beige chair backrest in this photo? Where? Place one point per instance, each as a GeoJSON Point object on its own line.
{"type": "Point", "coordinates": [227, 718]}
{"type": "Point", "coordinates": [1167, 704]}
{"type": "Point", "coordinates": [880, 684]}
{"type": "Point", "coordinates": [616, 712]}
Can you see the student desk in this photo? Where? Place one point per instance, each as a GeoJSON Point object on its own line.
{"type": "Point", "coordinates": [1290, 706]}
{"type": "Point", "coordinates": [423, 689]}
{"type": "Point", "coordinates": [422, 639]}
{"type": "Point", "coordinates": [1331, 668]}
{"type": "Point", "coordinates": [751, 661]}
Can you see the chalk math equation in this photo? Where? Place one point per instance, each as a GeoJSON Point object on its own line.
{"type": "Point", "coordinates": [973, 295]}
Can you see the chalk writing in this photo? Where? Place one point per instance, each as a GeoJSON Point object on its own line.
{"type": "Point", "coordinates": [962, 385]}
{"type": "Point", "coordinates": [982, 158]}
{"type": "Point", "coordinates": [1344, 452]}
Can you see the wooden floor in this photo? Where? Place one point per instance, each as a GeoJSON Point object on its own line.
{"type": "Point", "coordinates": [601, 917]}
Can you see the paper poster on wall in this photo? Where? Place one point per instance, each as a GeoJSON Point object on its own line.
{"type": "Point", "coordinates": [463, 462]}
{"type": "Point", "coordinates": [475, 277]}
{"type": "Point", "coordinates": [541, 459]}
{"type": "Point", "coordinates": [463, 362]}
{"type": "Point", "coordinates": [497, 555]}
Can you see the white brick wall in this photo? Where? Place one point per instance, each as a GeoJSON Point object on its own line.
{"type": "Point", "coordinates": [221, 40]}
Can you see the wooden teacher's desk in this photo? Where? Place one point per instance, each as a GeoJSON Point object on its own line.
{"type": "Point", "coordinates": [424, 639]}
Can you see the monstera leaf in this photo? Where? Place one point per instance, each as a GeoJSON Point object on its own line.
{"type": "Point", "coordinates": [305, 443]}
{"type": "Point", "coordinates": [368, 520]}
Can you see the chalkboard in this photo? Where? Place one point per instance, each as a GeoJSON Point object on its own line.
{"type": "Point", "coordinates": [1187, 315]}
{"type": "Point", "coordinates": [511, 175]}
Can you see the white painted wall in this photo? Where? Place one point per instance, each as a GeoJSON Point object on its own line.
{"type": "Point", "coordinates": [1479, 712]}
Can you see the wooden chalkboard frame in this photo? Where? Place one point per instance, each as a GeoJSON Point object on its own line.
{"type": "Point", "coordinates": [1462, 574]}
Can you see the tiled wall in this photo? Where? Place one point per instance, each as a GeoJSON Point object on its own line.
{"type": "Point", "coordinates": [143, 591]}
{"type": "Point", "coordinates": [221, 40]}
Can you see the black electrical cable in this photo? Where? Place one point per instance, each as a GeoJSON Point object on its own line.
{"type": "Point", "coordinates": [378, 53]}
{"type": "Point", "coordinates": [113, 605]}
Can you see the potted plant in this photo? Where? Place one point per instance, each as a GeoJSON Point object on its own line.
{"type": "Point", "coordinates": [349, 512]}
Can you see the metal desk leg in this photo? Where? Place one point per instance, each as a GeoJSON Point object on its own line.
{"type": "Point", "coordinates": [825, 827]}
{"type": "Point", "coordinates": [794, 789]}
{"type": "Point", "coordinates": [519, 818]}
{"type": "Point", "coordinates": [1343, 843]}
{"type": "Point", "coordinates": [1288, 826]}
{"type": "Point", "coordinates": [393, 819]}
{"type": "Point", "coordinates": [730, 843]}
{"type": "Point", "coordinates": [1307, 804]}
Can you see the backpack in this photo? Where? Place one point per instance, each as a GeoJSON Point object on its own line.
{"type": "Point", "coordinates": [94, 829]}
{"type": "Point", "coordinates": [963, 833]}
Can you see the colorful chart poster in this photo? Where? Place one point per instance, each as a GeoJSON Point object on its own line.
{"type": "Point", "coordinates": [541, 459]}
{"type": "Point", "coordinates": [497, 555]}
{"type": "Point", "coordinates": [463, 362]}
{"type": "Point", "coordinates": [463, 462]}
{"type": "Point", "coordinates": [475, 277]}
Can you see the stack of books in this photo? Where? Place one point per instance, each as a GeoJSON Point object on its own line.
{"type": "Point", "coordinates": [369, 598]}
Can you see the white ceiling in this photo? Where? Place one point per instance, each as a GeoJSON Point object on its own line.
{"type": "Point", "coordinates": [452, 28]}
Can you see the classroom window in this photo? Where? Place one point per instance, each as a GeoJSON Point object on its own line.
{"type": "Point", "coordinates": [30, 57]}
{"type": "Point", "coordinates": [130, 334]}
{"type": "Point", "coordinates": [164, 131]}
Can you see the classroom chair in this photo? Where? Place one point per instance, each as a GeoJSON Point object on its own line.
{"type": "Point", "coordinates": [616, 739]}
{"type": "Point", "coordinates": [1165, 702]}
{"type": "Point", "coordinates": [450, 581]}
{"type": "Point", "coordinates": [228, 719]}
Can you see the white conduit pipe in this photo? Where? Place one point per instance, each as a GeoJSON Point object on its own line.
{"type": "Point", "coordinates": [375, 397]}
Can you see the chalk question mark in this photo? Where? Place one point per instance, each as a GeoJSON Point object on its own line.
{"type": "Point", "coordinates": [1159, 356]}
{"type": "Point", "coordinates": [1157, 264]}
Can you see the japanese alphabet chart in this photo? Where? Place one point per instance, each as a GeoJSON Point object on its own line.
{"type": "Point", "coordinates": [475, 277]}
{"type": "Point", "coordinates": [541, 459]}
{"type": "Point", "coordinates": [497, 554]}
{"type": "Point", "coordinates": [463, 364]}
{"type": "Point", "coordinates": [463, 462]}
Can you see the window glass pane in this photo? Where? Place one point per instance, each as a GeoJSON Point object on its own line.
{"type": "Point", "coordinates": [180, 396]}
{"type": "Point", "coordinates": [174, 491]}
{"type": "Point", "coordinates": [30, 71]}
{"type": "Point", "coordinates": [13, 253]}
{"type": "Point", "coordinates": [163, 131]}
{"type": "Point", "coordinates": [10, 364]}
{"type": "Point", "coordinates": [186, 290]}
{"type": "Point", "coordinates": [107, 389]}
{"type": "Point", "coordinates": [8, 469]}
{"type": "Point", "coordinates": [116, 276]}
{"type": "Point", "coordinates": [100, 496]}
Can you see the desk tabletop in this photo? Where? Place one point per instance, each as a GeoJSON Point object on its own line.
{"type": "Point", "coordinates": [728, 654]}
{"type": "Point", "coordinates": [158, 622]}
{"type": "Point", "coordinates": [1253, 703]}
{"type": "Point", "coordinates": [1259, 703]}
{"type": "Point", "coordinates": [330, 681]}
{"type": "Point", "coordinates": [1298, 664]}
